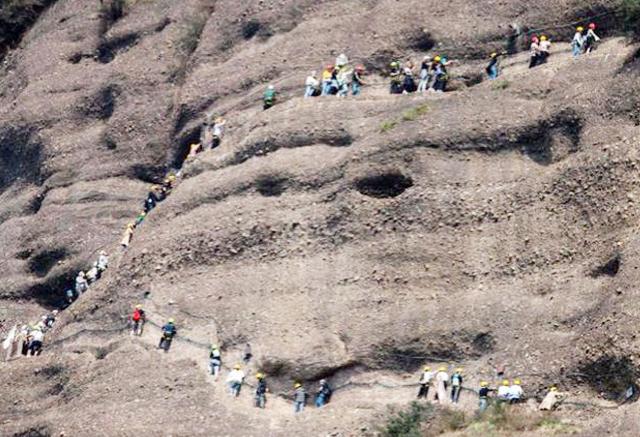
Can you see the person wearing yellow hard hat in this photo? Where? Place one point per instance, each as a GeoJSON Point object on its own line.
{"type": "Point", "coordinates": [395, 73]}
{"type": "Point", "coordinates": [261, 391]}
{"type": "Point", "coordinates": [577, 43]}
{"type": "Point", "coordinates": [483, 396]}
{"type": "Point", "coordinates": [503, 390]}
{"type": "Point", "coordinates": [299, 397]}
{"type": "Point", "coordinates": [552, 399]}
{"type": "Point", "coordinates": [545, 48]}
{"type": "Point", "coordinates": [442, 381]}
{"type": "Point", "coordinates": [168, 332]}
{"type": "Point", "coordinates": [425, 382]}
{"type": "Point", "coordinates": [235, 378]}
{"type": "Point", "coordinates": [515, 392]}
{"type": "Point", "coordinates": [456, 385]}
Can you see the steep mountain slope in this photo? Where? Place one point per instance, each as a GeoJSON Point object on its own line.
{"type": "Point", "coordinates": [352, 238]}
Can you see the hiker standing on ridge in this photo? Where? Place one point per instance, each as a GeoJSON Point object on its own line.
{"type": "Point", "coordinates": [35, 344]}
{"type": "Point", "coordinates": [545, 47]}
{"type": "Point", "coordinates": [215, 361]}
{"type": "Point", "coordinates": [235, 380]}
{"type": "Point", "coordinates": [493, 69]}
{"type": "Point", "coordinates": [138, 318]}
{"type": "Point", "coordinates": [425, 382]}
{"type": "Point", "coordinates": [503, 390]}
{"type": "Point", "coordinates": [395, 86]}
{"type": "Point", "coordinates": [442, 380]}
{"type": "Point", "coordinates": [312, 85]}
{"type": "Point", "coordinates": [218, 131]}
{"type": "Point", "coordinates": [591, 39]}
{"type": "Point", "coordinates": [357, 81]}
{"type": "Point", "coordinates": [515, 392]}
{"type": "Point", "coordinates": [323, 396]}
{"type": "Point", "coordinates": [456, 385]}
{"type": "Point", "coordinates": [534, 51]}
{"type": "Point", "coordinates": [483, 396]}
{"type": "Point", "coordinates": [425, 74]}
{"type": "Point", "coordinates": [261, 391]}
{"type": "Point", "coordinates": [168, 332]}
{"type": "Point", "coordinates": [577, 42]}
{"type": "Point", "coordinates": [128, 234]}
{"type": "Point", "coordinates": [269, 98]}
{"type": "Point", "coordinates": [299, 398]}
{"type": "Point", "coordinates": [81, 283]}
{"type": "Point", "coordinates": [103, 261]}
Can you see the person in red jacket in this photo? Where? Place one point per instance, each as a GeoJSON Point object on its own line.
{"type": "Point", "coordinates": [137, 320]}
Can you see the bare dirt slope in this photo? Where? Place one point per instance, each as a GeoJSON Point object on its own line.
{"type": "Point", "coordinates": [351, 238]}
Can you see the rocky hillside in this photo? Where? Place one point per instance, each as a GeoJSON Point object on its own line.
{"type": "Point", "coordinates": [351, 238]}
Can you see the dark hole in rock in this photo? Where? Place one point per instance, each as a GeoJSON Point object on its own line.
{"type": "Point", "coordinates": [270, 186]}
{"type": "Point", "coordinates": [43, 262]}
{"type": "Point", "coordinates": [610, 268]}
{"type": "Point", "coordinates": [56, 389]}
{"type": "Point", "coordinates": [384, 185]}
{"type": "Point", "coordinates": [421, 40]}
{"type": "Point", "coordinates": [181, 151]}
{"type": "Point", "coordinates": [148, 173]}
{"type": "Point", "coordinates": [251, 29]}
{"type": "Point", "coordinates": [484, 342]}
{"type": "Point", "coordinates": [20, 156]}
{"type": "Point", "coordinates": [612, 376]}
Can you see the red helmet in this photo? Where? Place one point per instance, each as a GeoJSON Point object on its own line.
{"type": "Point", "coordinates": [360, 67]}
{"type": "Point", "coordinates": [592, 26]}
{"type": "Point", "coordinates": [330, 67]}
{"type": "Point", "coordinates": [534, 38]}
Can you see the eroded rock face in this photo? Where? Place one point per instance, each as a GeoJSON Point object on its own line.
{"type": "Point", "coordinates": [466, 230]}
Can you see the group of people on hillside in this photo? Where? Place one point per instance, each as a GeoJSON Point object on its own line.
{"type": "Point", "coordinates": [28, 339]}
{"type": "Point", "coordinates": [584, 42]}
{"type": "Point", "coordinates": [156, 194]}
{"type": "Point", "coordinates": [448, 388]}
{"type": "Point", "coordinates": [210, 135]}
{"type": "Point", "coordinates": [85, 279]}
{"type": "Point", "coordinates": [433, 76]}
{"type": "Point", "coordinates": [337, 79]}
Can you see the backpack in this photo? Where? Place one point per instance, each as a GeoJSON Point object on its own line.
{"type": "Point", "coordinates": [136, 316]}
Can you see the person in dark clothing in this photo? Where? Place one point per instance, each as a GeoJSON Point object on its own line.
{"type": "Point", "coordinates": [168, 332]}
{"type": "Point", "coordinates": [396, 81]}
{"type": "Point", "coordinates": [408, 83]}
{"type": "Point", "coordinates": [261, 391]}
{"type": "Point", "coordinates": [483, 396]}
{"type": "Point", "coordinates": [323, 396]}
{"type": "Point", "coordinates": [247, 354]}
{"type": "Point", "coordinates": [441, 76]}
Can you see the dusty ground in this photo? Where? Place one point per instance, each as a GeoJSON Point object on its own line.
{"type": "Point", "coordinates": [355, 239]}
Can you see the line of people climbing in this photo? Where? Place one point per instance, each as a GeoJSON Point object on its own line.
{"type": "Point", "coordinates": [29, 338]}
{"type": "Point", "coordinates": [340, 78]}
{"type": "Point", "coordinates": [236, 377]}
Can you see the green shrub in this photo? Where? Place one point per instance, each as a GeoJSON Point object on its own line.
{"type": "Point", "coordinates": [388, 125]}
{"type": "Point", "coordinates": [500, 85]}
{"type": "Point", "coordinates": [409, 423]}
{"type": "Point", "coordinates": [413, 113]}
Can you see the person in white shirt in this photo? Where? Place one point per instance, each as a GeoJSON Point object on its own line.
{"type": "Point", "coordinates": [591, 39]}
{"type": "Point", "coordinates": [235, 379]}
{"type": "Point", "coordinates": [35, 345]}
{"type": "Point", "coordinates": [503, 390]}
{"type": "Point", "coordinates": [515, 392]}
{"type": "Point", "coordinates": [425, 382]}
{"type": "Point", "coordinates": [578, 41]}
{"type": "Point", "coordinates": [312, 85]}
{"type": "Point", "coordinates": [442, 379]}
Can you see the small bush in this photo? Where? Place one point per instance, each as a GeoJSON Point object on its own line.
{"type": "Point", "coordinates": [413, 113]}
{"type": "Point", "coordinates": [409, 423]}
{"type": "Point", "coordinates": [388, 125]}
{"type": "Point", "coordinates": [500, 85]}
